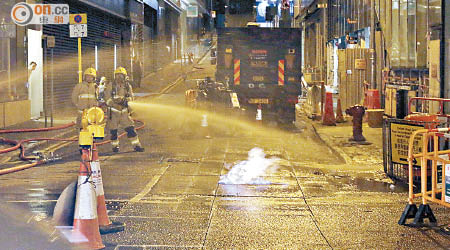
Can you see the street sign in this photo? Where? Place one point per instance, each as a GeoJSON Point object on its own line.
{"type": "Point", "coordinates": [78, 30]}
{"type": "Point", "coordinates": [192, 11]}
{"type": "Point", "coordinates": [213, 14]}
{"type": "Point", "coordinates": [360, 64]}
{"type": "Point", "coordinates": [400, 134]}
{"type": "Point", "coordinates": [78, 19]}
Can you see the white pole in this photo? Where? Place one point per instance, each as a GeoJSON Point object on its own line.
{"type": "Point", "coordinates": [115, 56]}
{"type": "Point", "coordinates": [96, 57]}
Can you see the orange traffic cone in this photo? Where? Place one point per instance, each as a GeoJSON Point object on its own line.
{"type": "Point", "coordinates": [339, 115]}
{"type": "Point", "coordinates": [102, 213]}
{"type": "Point", "coordinates": [328, 118]}
{"type": "Point", "coordinates": [259, 114]}
{"type": "Point", "coordinates": [85, 220]}
{"type": "Point", "coordinates": [106, 226]}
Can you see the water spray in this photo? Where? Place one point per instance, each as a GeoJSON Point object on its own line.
{"type": "Point", "coordinates": [251, 170]}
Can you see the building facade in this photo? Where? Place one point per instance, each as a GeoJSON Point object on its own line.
{"type": "Point", "coordinates": [120, 32]}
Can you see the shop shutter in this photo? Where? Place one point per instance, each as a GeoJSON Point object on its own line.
{"type": "Point", "coordinates": [104, 30]}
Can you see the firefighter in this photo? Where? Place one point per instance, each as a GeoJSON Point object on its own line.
{"type": "Point", "coordinates": [84, 95]}
{"type": "Point", "coordinates": [117, 96]}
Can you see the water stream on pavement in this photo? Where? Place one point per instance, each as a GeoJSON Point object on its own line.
{"type": "Point", "coordinates": [190, 123]}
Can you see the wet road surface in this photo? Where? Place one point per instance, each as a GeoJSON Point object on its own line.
{"type": "Point", "coordinates": [170, 196]}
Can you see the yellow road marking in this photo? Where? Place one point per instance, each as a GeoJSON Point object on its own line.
{"type": "Point", "coordinates": [149, 186]}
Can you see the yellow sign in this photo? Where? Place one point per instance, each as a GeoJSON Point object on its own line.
{"type": "Point", "coordinates": [258, 78]}
{"type": "Point", "coordinates": [360, 63]}
{"type": "Point", "coordinates": [78, 19]}
{"type": "Point", "coordinates": [260, 64]}
{"type": "Point", "coordinates": [307, 77]}
{"type": "Point", "coordinates": [400, 134]}
{"type": "Point", "coordinates": [258, 101]}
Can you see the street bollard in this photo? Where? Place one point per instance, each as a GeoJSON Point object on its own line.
{"type": "Point", "coordinates": [339, 116]}
{"type": "Point", "coordinates": [357, 111]}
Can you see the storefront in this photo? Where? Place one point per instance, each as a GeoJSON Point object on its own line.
{"type": "Point", "coordinates": [13, 70]}
{"type": "Point", "coordinates": [105, 48]}
{"type": "Point", "coordinates": [169, 47]}
{"type": "Point", "coordinates": [149, 36]}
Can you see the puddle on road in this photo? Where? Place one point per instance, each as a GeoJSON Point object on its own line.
{"type": "Point", "coordinates": [366, 185]}
{"type": "Point", "coordinates": [360, 183]}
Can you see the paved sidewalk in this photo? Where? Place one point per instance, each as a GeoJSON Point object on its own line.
{"type": "Point", "coordinates": [364, 159]}
{"type": "Point", "coordinates": [155, 82]}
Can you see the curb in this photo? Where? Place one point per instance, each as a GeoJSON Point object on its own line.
{"type": "Point", "coordinates": [170, 86]}
{"type": "Point", "coordinates": [339, 152]}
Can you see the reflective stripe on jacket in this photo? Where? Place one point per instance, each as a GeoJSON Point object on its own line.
{"type": "Point", "coordinates": [84, 95]}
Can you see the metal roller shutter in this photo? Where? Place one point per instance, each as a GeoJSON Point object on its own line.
{"type": "Point", "coordinates": [104, 31]}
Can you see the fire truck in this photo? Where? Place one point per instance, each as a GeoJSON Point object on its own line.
{"type": "Point", "coordinates": [263, 66]}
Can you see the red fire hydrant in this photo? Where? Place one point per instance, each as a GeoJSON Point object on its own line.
{"type": "Point", "coordinates": [357, 112]}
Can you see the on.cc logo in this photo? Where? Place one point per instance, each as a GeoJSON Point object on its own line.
{"type": "Point", "coordinates": [21, 14]}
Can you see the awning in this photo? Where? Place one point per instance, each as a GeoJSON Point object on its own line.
{"type": "Point", "coordinates": [174, 6]}
{"type": "Point", "coordinates": [152, 3]}
{"type": "Point", "coordinates": [202, 9]}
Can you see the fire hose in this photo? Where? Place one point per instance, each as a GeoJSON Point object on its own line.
{"type": "Point", "coordinates": [20, 144]}
{"type": "Point", "coordinates": [36, 129]}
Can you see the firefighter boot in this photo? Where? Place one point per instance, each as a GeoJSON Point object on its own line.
{"type": "Point", "coordinates": [139, 149]}
{"type": "Point", "coordinates": [114, 141]}
{"type": "Point", "coordinates": [132, 135]}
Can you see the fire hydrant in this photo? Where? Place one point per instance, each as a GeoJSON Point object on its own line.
{"type": "Point", "coordinates": [357, 112]}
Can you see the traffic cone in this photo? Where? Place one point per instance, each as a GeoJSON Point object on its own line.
{"type": "Point", "coordinates": [339, 115]}
{"type": "Point", "coordinates": [85, 220]}
{"type": "Point", "coordinates": [103, 219]}
{"type": "Point", "coordinates": [328, 118]}
{"type": "Point", "coordinates": [106, 226]}
{"type": "Point", "coordinates": [259, 114]}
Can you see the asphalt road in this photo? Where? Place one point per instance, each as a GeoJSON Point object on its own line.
{"type": "Point", "coordinates": [170, 197]}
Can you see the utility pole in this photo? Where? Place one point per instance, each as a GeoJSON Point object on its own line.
{"type": "Point", "coordinates": [325, 39]}
{"type": "Point", "coordinates": [445, 43]}
{"type": "Point", "coordinates": [372, 45]}
{"type": "Point", "coordinates": [46, 78]}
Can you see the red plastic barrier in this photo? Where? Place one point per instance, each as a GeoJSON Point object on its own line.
{"type": "Point", "coordinates": [373, 99]}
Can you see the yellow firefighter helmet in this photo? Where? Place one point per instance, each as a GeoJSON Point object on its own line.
{"type": "Point", "coordinates": [91, 71]}
{"type": "Point", "coordinates": [120, 70]}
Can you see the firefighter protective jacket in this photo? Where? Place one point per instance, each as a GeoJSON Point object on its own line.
{"type": "Point", "coordinates": [116, 93]}
{"type": "Point", "coordinates": [84, 95]}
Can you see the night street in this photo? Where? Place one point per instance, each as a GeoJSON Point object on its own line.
{"type": "Point", "coordinates": [170, 197]}
{"type": "Point", "coordinates": [224, 124]}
